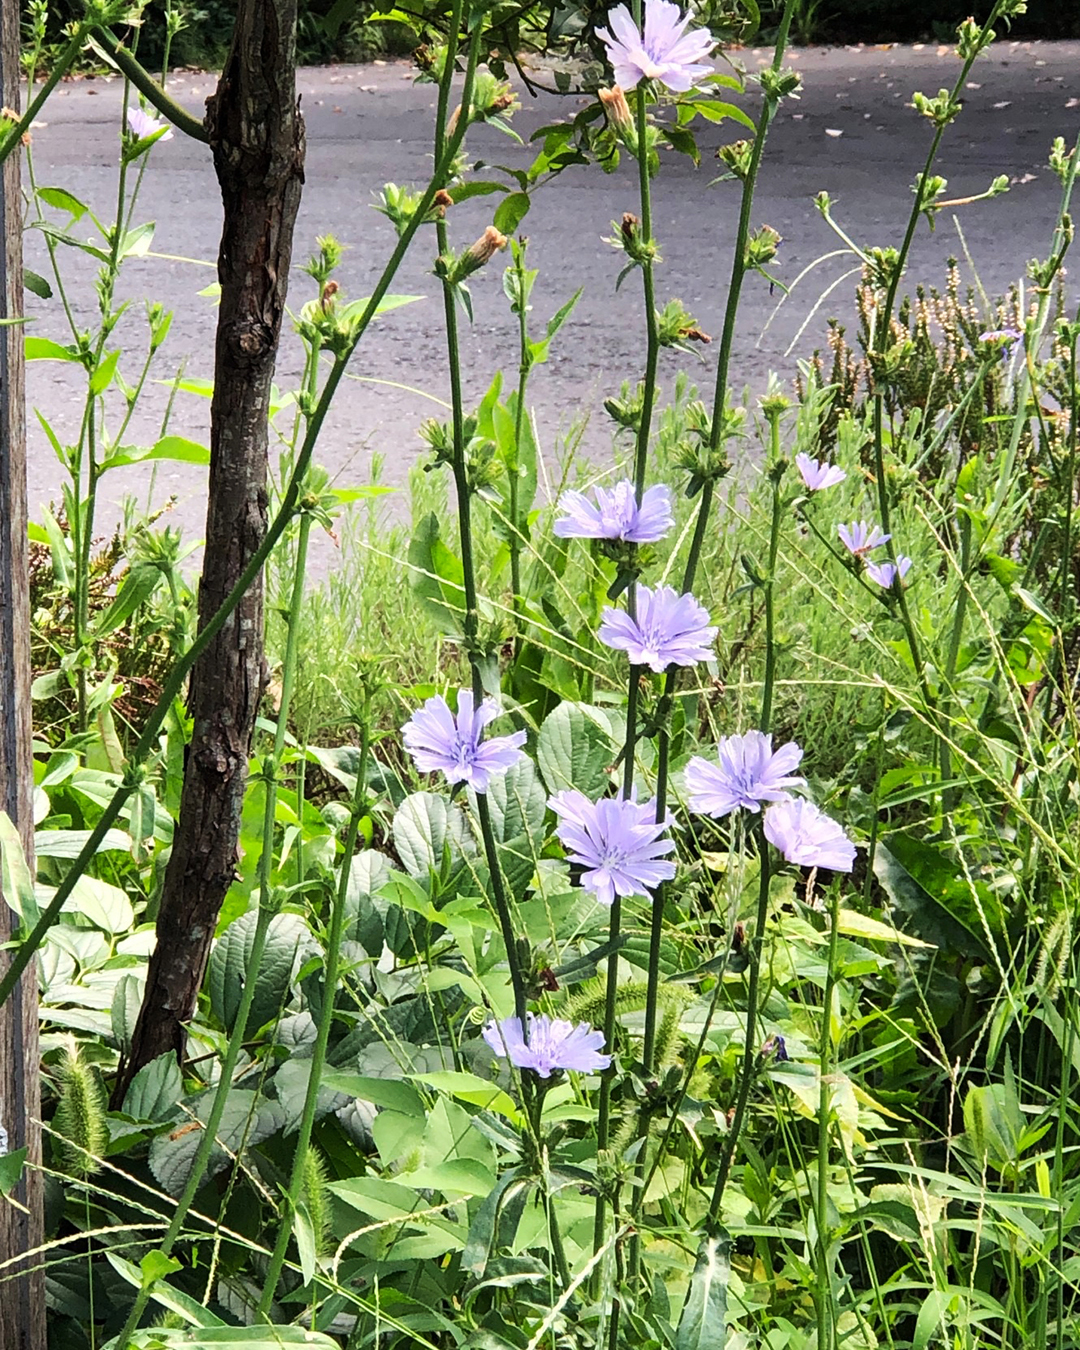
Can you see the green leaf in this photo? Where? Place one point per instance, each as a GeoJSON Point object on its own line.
{"type": "Point", "coordinates": [176, 448]}
{"type": "Point", "coordinates": [36, 284]}
{"type": "Point", "coordinates": [575, 748]}
{"type": "Point", "coordinates": [228, 972]}
{"type": "Point", "coordinates": [424, 826]}
{"type": "Point", "coordinates": [154, 1092]}
{"type": "Point", "coordinates": [62, 200]}
{"type": "Point", "coordinates": [248, 1119]}
{"type": "Point", "coordinates": [174, 1300]}
{"type": "Point", "coordinates": [61, 237]}
{"type": "Point", "coordinates": [135, 243]}
{"type": "Point", "coordinates": [104, 375]}
{"type": "Point", "coordinates": [156, 1266]}
{"type": "Point", "coordinates": [436, 577]}
{"type": "Point", "coordinates": [856, 925]}
{"type": "Point", "coordinates": [456, 1178]}
{"type": "Point", "coordinates": [392, 1093]}
{"type": "Point", "coordinates": [476, 188]}
{"type": "Point", "coordinates": [511, 211]}
{"type": "Point", "coordinates": [703, 1320]}
{"type": "Point", "coordinates": [11, 1170]}
{"type": "Point", "coordinates": [304, 1233]}
{"type": "Point", "coordinates": [45, 349]}
{"type": "Point", "coordinates": [16, 883]}
{"type": "Point", "coordinates": [70, 843]}
{"type": "Point", "coordinates": [518, 803]}
{"type": "Point", "coordinates": [923, 887]}
{"type": "Point", "coordinates": [137, 587]}
{"type": "Point", "coordinates": [471, 1088]}
{"type": "Point", "coordinates": [369, 871]}
{"type": "Point", "coordinates": [126, 1002]}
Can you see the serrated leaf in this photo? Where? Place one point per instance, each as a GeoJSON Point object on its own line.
{"type": "Point", "coordinates": [154, 1092]}
{"type": "Point", "coordinates": [227, 972]}
{"type": "Point", "coordinates": [575, 748]}
{"type": "Point", "coordinates": [247, 1118]}
{"type": "Point", "coordinates": [126, 1002]}
{"type": "Point", "coordinates": [424, 826]}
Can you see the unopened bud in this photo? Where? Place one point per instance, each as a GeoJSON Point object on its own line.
{"type": "Point", "coordinates": [616, 108]}
{"type": "Point", "coordinates": [326, 300]}
{"type": "Point", "coordinates": [485, 248]}
{"type": "Point", "coordinates": [629, 226]}
{"type": "Point", "coordinates": [443, 198]}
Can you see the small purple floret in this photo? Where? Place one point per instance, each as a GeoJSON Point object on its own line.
{"type": "Point", "coordinates": [748, 772]}
{"type": "Point", "coordinates": [818, 473]}
{"type": "Point", "coordinates": [859, 537]}
{"type": "Point", "coordinates": [618, 842]}
{"type": "Point", "coordinates": [616, 514]}
{"type": "Point", "coordinates": [885, 573]}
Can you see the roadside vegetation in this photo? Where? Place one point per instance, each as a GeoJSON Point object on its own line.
{"type": "Point", "coordinates": [653, 909]}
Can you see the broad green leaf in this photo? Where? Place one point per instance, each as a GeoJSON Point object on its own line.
{"type": "Point", "coordinates": [63, 200]}
{"type": "Point", "coordinates": [703, 1320]}
{"type": "Point", "coordinates": [471, 1088]}
{"type": "Point", "coordinates": [862, 926]}
{"type": "Point", "coordinates": [135, 243]}
{"type": "Point", "coordinates": [575, 748]}
{"type": "Point", "coordinates": [455, 1178]}
{"type": "Point", "coordinates": [126, 1002]}
{"type": "Point", "coordinates": [11, 1170]}
{"type": "Point", "coordinates": [436, 576]}
{"type": "Point", "coordinates": [923, 887]}
{"type": "Point", "coordinates": [45, 349]}
{"type": "Point", "coordinates": [104, 375]}
{"type": "Point", "coordinates": [154, 1092]}
{"type": "Point", "coordinates": [227, 972]}
{"type": "Point", "coordinates": [176, 448]}
{"type": "Point", "coordinates": [511, 211]}
{"type": "Point", "coordinates": [137, 587]}
{"type": "Point", "coordinates": [424, 826]}
{"type": "Point", "coordinates": [517, 803]}
{"type": "Point", "coordinates": [156, 1266]}
{"type": "Point", "coordinates": [15, 879]}
{"type": "Point", "coordinates": [369, 871]}
{"type": "Point", "coordinates": [391, 1093]}
{"type": "Point", "coordinates": [248, 1118]}
{"type": "Point", "coordinates": [174, 1300]}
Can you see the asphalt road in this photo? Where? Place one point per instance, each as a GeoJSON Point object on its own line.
{"type": "Point", "coordinates": [852, 133]}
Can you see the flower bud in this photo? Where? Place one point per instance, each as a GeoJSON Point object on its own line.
{"type": "Point", "coordinates": [617, 108]}
{"type": "Point", "coordinates": [485, 248]}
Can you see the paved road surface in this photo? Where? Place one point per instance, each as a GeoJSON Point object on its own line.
{"type": "Point", "coordinates": [370, 124]}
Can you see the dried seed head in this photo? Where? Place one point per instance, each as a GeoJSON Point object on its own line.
{"type": "Point", "coordinates": [616, 108]}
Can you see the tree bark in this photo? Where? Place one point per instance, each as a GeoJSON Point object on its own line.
{"type": "Point", "coordinates": [22, 1301]}
{"type": "Point", "coordinates": [257, 138]}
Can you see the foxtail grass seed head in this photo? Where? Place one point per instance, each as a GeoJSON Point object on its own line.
{"type": "Point", "coordinates": [79, 1120]}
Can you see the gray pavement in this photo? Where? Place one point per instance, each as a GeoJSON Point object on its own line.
{"type": "Point", "coordinates": [367, 125]}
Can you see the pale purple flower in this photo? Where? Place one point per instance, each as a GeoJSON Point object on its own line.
{"type": "Point", "coordinates": [666, 53]}
{"type": "Point", "coordinates": [141, 124]}
{"type": "Point", "coordinates": [1006, 338]}
{"type": "Point", "coordinates": [552, 1044]}
{"type": "Point", "coordinates": [616, 840]}
{"type": "Point", "coordinates": [670, 630]}
{"type": "Point", "coordinates": [807, 836]}
{"type": "Point", "coordinates": [616, 514]}
{"type": "Point", "coordinates": [441, 743]}
{"type": "Point", "coordinates": [859, 537]}
{"type": "Point", "coordinates": [818, 473]}
{"type": "Point", "coordinates": [748, 772]}
{"type": "Point", "coordinates": [885, 573]}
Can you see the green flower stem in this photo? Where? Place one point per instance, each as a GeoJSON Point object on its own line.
{"type": "Point", "coordinates": [145, 83]}
{"type": "Point", "coordinates": [882, 338]}
{"type": "Point", "coordinates": [738, 273]}
{"type": "Point", "coordinates": [747, 1072]}
{"type": "Point", "coordinates": [652, 333]}
{"type": "Point", "coordinates": [765, 720]}
{"type": "Point", "coordinates": [517, 532]}
{"type": "Point", "coordinates": [326, 1016]}
{"type": "Point", "coordinates": [173, 686]}
{"type": "Point", "coordinates": [217, 1110]}
{"type": "Point", "coordinates": [463, 493]}
{"type": "Point", "coordinates": [823, 1301]}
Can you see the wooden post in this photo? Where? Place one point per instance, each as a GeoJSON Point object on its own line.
{"type": "Point", "coordinates": [22, 1295]}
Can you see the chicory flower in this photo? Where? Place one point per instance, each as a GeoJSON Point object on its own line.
{"type": "Point", "coordinates": [859, 537]}
{"type": "Point", "coordinates": [666, 52]}
{"type": "Point", "coordinates": [885, 573]}
{"type": "Point", "coordinates": [670, 630]}
{"type": "Point", "coordinates": [748, 772]}
{"type": "Point", "coordinates": [617, 841]}
{"type": "Point", "coordinates": [807, 836]}
{"type": "Point", "coordinates": [441, 743]}
{"type": "Point", "coordinates": [141, 125]}
{"type": "Point", "coordinates": [818, 473]}
{"type": "Point", "coordinates": [616, 514]}
{"type": "Point", "coordinates": [552, 1044]}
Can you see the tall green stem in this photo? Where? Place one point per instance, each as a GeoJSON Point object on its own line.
{"type": "Point", "coordinates": [463, 494]}
{"type": "Point", "coordinates": [823, 1300]}
{"type": "Point", "coordinates": [716, 432]}
{"type": "Point", "coordinates": [330, 982]}
{"type": "Point", "coordinates": [174, 684]}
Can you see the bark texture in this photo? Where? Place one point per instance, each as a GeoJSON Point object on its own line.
{"type": "Point", "coordinates": [257, 138]}
{"type": "Point", "coordinates": [22, 1301]}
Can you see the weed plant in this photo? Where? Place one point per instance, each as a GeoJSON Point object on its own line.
{"type": "Point", "coordinates": [653, 925]}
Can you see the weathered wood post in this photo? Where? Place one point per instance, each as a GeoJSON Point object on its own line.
{"type": "Point", "coordinates": [22, 1292]}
